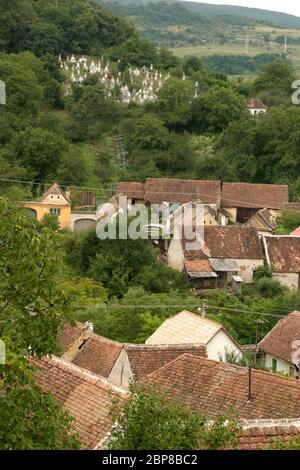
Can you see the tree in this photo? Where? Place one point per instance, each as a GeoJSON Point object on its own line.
{"type": "Point", "coordinates": [287, 222]}
{"type": "Point", "coordinates": [276, 75]}
{"type": "Point", "coordinates": [175, 102]}
{"type": "Point", "coordinates": [32, 311]}
{"type": "Point", "coordinates": [215, 109]}
{"type": "Point", "coordinates": [148, 420]}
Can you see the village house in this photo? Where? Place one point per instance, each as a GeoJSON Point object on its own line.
{"type": "Point", "coordinates": [225, 252]}
{"type": "Point", "coordinates": [243, 200]}
{"type": "Point", "coordinates": [189, 328]}
{"type": "Point", "coordinates": [172, 191]}
{"type": "Point", "coordinates": [283, 256]}
{"type": "Point", "coordinates": [280, 349]}
{"type": "Point", "coordinates": [264, 221]}
{"type": "Point", "coordinates": [217, 388]}
{"type": "Point", "coordinates": [136, 361]}
{"type": "Point", "coordinates": [85, 396]}
{"type": "Point", "coordinates": [256, 106]}
{"type": "Point", "coordinates": [54, 202]}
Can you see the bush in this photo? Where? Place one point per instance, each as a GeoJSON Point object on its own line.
{"type": "Point", "coordinates": [269, 287]}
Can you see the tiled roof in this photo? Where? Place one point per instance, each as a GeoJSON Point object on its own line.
{"type": "Point", "coordinates": [214, 388]}
{"type": "Point", "coordinates": [283, 253]}
{"type": "Point", "coordinates": [295, 233]}
{"type": "Point", "coordinates": [227, 243]}
{"type": "Point", "coordinates": [185, 327]}
{"type": "Point", "coordinates": [83, 395]}
{"type": "Point", "coordinates": [279, 341]}
{"type": "Point", "coordinates": [263, 220]}
{"type": "Point", "coordinates": [144, 359]}
{"type": "Point", "coordinates": [256, 103]}
{"type": "Point", "coordinates": [158, 190]}
{"type": "Point", "coordinates": [259, 434]}
{"type": "Point", "coordinates": [257, 196]}
{"type": "Point", "coordinates": [131, 190]}
{"type": "Point", "coordinates": [292, 206]}
{"type": "Point", "coordinates": [70, 334]}
{"type": "Point", "coordinates": [198, 266]}
{"type": "Point", "coordinates": [98, 355]}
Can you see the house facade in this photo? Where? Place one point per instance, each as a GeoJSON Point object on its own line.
{"type": "Point", "coordinates": [228, 251]}
{"type": "Point", "coordinates": [189, 328]}
{"type": "Point", "coordinates": [256, 106]}
{"type": "Point", "coordinates": [280, 349]}
{"type": "Point", "coordinates": [54, 202]}
{"type": "Point", "coordinates": [283, 256]}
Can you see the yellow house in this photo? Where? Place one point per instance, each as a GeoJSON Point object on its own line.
{"type": "Point", "coordinates": [54, 202]}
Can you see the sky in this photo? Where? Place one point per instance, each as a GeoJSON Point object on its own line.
{"type": "Point", "coordinates": [286, 6]}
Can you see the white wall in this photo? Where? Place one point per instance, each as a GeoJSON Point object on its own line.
{"type": "Point", "coordinates": [282, 366]}
{"type": "Point", "coordinates": [121, 373]}
{"type": "Point", "coordinates": [232, 211]}
{"type": "Point", "coordinates": [219, 344]}
{"type": "Point", "coordinates": [246, 268]}
{"type": "Point", "coordinates": [289, 280]}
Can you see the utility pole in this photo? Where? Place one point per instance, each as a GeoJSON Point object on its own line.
{"type": "Point", "coordinates": [202, 310]}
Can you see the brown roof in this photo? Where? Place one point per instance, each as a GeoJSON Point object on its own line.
{"type": "Point", "coordinates": [256, 103]}
{"type": "Point", "coordinates": [158, 190]}
{"type": "Point", "coordinates": [70, 334]}
{"type": "Point", "coordinates": [98, 355]}
{"type": "Point", "coordinates": [257, 196]}
{"type": "Point", "coordinates": [55, 189]}
{"type": "Point", "coordinates": [198, 266]}
{"type": "Point", "coordinates": [279, 341]}
{"type": "Point", "coordinates": [283, 253]}
{"type": "Point", "coordinates": [144, 359]}
{"type": "Point", "coordinates": [84, 396]}
{"type": "Point", "coordinates": [214, 388]}
{"type": "Point", "coordinates": [131, 190]}
{"type": "Point", "coordinates": [263, 220]}
{"type": "Point", "coordinates": [258, 435]}
{"type": "Point", "coordinates": [227, 243]}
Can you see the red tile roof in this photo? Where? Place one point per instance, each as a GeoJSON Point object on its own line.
{"type": "Point", "coordinates": [295, 233]}
{"type": "Point", "coordinates": [280, 340]}
{"type": "Point", "coordinates": [257, 196]}
{"type": "Point", "coordinates": [198, 266]}
{"type": "Point", "coordinates": [215, 388]}
{"type": "Point", "coordinates": [84, 396]}
{"type": "Point", "coordinates": [98, 355]}
{"type": "Point", "coordinates": [144, 359]}
{"type": "Point", "coordinates": [70, 334]}
{"type": "Point", "coordinates": [227, 243]}
{"type": "Point", "coordinates": [283, 253]}
{"type": "Point", "coordinates": [131, 190]}
{"type": "Point", "coordinates": [292, 206]}
{"type": "Point", "coordinates": [259, 435]}
{"type": "Point", "coordinates": [158, 190]}
{"type": "Point", "coordinates": [256, 103]}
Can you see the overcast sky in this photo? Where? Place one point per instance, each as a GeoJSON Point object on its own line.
{"type": "Point", "coordinates": [286, 6]}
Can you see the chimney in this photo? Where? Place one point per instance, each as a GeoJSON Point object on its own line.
{"type": "Point", "coordinates": [90, 325]}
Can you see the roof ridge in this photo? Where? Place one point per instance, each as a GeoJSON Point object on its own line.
{"type": "Point", "coordinates": [208, 320]}
{"type": "Point", "coordinates": [80, 372]}
{"type": "Point", "coordinates": [165, 346]}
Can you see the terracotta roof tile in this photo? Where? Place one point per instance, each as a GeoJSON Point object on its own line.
{"type": "Point", "coordinates": [198, 266]}
{"type": "Point", "coordinates": [283, 253]}
{"type": "Point", "coordinates": [131, 190]}
{"type": "Point", "coordinates": [257, 196]}
{"type": "Point", "coordinates": [279, 341]}
{"type": "Point", "coordinates": [98, 355]}
{"type": "Point", "coordinates": [158, 190]}
{"type": "Point", "coordinates": [70, 334]}
{"type": "Point", "coordinates": [215, 388]}
{"type": "Point", "coordinates": [256, 103]}
{"type": "Point", "coordinates": [258, 435]}
{"type": "Point", "coordinates": [84, 396]}
{"type": "Point", "coordinates": [227, 243]}
{"type": "Point", "coordinates": [144, 359]}
{"type": "Point", "coordinates": [295, 233]}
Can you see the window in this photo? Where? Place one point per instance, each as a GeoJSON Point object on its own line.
{"type": "Point", "coordinates": [274, 365]}
{"type": "Point", "coordinates": [55, 212]}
